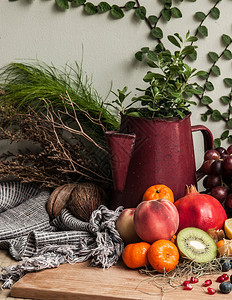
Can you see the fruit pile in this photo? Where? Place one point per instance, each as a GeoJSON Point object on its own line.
{"type": "Point", "coordinates": [217, 167]}
{"type": "Point", "coordinates": [160, 231]}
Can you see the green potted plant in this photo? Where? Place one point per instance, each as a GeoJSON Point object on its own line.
{"type": "Point", "coordinates": [163, 151]}
{"type": "Point", "coordinates": [169, 89]}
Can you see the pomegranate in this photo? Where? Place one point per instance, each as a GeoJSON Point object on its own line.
{"type": "Point", "coordinates": [199, 210]}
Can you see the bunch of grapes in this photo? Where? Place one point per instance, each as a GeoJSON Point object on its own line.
{"type": "Point", "coordinates": [217, 167]}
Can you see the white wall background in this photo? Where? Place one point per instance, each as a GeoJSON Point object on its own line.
{"type": "Point", "coordinates": [37, 29]}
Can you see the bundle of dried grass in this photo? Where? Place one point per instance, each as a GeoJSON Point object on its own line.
{"type": "Point", "coordinates": [67, 153]}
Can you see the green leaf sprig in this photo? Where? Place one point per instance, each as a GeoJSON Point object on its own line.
{"type": "Point", "coordinates": [169, 90]}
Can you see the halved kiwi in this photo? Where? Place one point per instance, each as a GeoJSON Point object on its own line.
{"type": "Point", "coordinates": [196, 244]}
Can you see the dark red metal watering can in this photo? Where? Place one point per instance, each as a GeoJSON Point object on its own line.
{"type": "Point", "coordinates": [147, 152]}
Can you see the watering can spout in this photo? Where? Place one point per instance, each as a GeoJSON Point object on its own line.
{"type": "Point", "coordinates": [120, 149]}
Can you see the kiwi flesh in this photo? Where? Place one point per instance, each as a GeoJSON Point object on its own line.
{"type": "Point", "coordinates": [196, 244]}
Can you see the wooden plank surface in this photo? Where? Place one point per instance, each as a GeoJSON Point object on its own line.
{"type": "Point", "coordinates": [80, 281]}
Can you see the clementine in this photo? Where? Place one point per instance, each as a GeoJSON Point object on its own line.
{"type": "Point", "coordinates": [163, 255]}
{"type": "Point", "coordinates": [158, 191]}
{"type": "Point", "coordinates": [220, 243]}
{"type": "Point", "coordinates": [135, 255]}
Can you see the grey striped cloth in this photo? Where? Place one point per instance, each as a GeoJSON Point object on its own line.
{"type": "Point", "coordinates": [30, 236]}
{"type": "Point", "coordinates": [14, 193]}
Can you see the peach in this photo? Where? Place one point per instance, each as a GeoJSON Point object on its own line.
{"type": "Point", "coordinates": [125, 226]}
{"type": "Point", "coordinates": [156, 220]}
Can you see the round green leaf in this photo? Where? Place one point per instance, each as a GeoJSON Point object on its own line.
{"type": "Point", "coordinates": [225, 134]}
{"type": "Point", "coordinates": [176, 13]}
{"type": "Point", "coordinates": [116, 12]}
{"type": "Point", "coordinates": [103, 7]}
{"type": "Point", "coordinates": [129, 5]}
{"type": "Point", "coordinates": [62, 4]}
{"type": "Point", "coordinates": [206, 100]}
{"type": "Point", "coordinates": [152, 56]}
{"type": "Point", "coordinates": [153, 19]}
{"type": "Point", "coordinates": [166, 14]}
{"type": "Point", "coordinates": [225, 115]}
{"type": "Point", "coordinates": [139, 55]}
{"type": "Point", "coordinates": [90, 8]}
{"type": "Point", "coordinates": [204, 75]}
{"type": "Point", "coordinates": [168, 4]}
{"type": "Point", "coordinates": [226, 39]}
{"type": "Point", "coordinates": [216, 115]}
{"type": "Point", "coordinates": [228, 81]}
{"type": "Point", "coordinates": [215, 12]}
{"type": "Point", "coordinates": [201, 74]}
{"type": "Point", "coordinates": [188, 50]}
{"type": "Point", "coordinates": [193, 56]}
{"type": "Point", "coordinates": [204, 117]}
{"type": "Point", "coordinates": [192, 39]}
{"type": "Point", "coordinates": [213, 56]}
{"type": "Point", "coordinates": [200, 15]}
{"type": "Point", "coordinates": [217, 142]}
{"type": "Point", "coordinates": [230, 139]}
{"type": "Point", "coordinates": [157, 33]}
{"type": "Point", "coordinates": [76, 3]}
{"type": "Point", "coordinates": [227, 54]}
{"type": "Point", "coordinates": [145, 49]}
{"type": "Point", "coordinates": [225, 99]}
{"type": "Point", "coordinates": [216, 70]}
{"type": "Point", "coordinates": [174, 41]}
{"type": "Point", "coordinates": [140, 12]}
{"type": "Point", "coordinates": [152, 64]}
{"type": "Point", "coordinates": [229, 123]}
{"type": "Point", "coordinates": [202, 30]}
{"type": "Point", "coordinates": [209, 86]}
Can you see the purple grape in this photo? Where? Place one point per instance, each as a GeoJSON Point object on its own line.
{"type": "Point", "coordinates": [216, 167]}
{"type": "Point", "coordinates": [221, 150]}
{"type": "Point", "coordinates": [219, 192]}
{"type": "Point", "coordinates": [211, 154]}
{"type": "Point", "coordinates": [229, 149]}
{"type": "Point", "coordinates": [227, 164]}
{"type": "Point", "coordinates": [228, 202]}
{"type": "Point", "coordinates": [206, 166]}
{"type": "Point", "coordinates": [211, 181]}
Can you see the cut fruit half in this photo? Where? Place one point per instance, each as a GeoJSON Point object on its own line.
{"type": "Point", "coordinates": [228, 228]}
{"type": "Point", "coordinates": [196, 244]}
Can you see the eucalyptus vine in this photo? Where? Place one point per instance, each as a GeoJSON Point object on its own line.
{"type": "Point", "coordinates": [167, 12]}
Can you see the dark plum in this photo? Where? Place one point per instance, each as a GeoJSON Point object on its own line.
{"type": "Point", "coordinates": [211, 154]}
{"type": "Point", "coordinates": [219, 192]}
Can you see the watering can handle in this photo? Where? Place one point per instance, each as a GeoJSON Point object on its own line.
{"type": "Point", "coordinates": [208, 143]}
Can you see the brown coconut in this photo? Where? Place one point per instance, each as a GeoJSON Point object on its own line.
{"type": "Point", "coordinates": [84, 199]}
{"type": "Point", "coordinates": [58, 199]}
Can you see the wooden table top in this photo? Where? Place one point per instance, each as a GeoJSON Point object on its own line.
{"type": "Point", "coordinates": [80, 281]}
